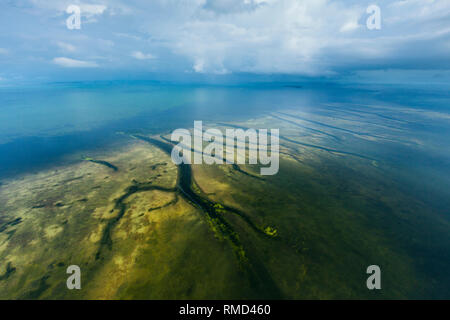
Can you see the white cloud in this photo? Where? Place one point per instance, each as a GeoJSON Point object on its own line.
{"type": "Point", "coordinates": [92, 9]}
{"type": "Point", "coordinates": [127, 36]}
{"type": "Point", "coordinates": [72, 63]}
{"type": "Point", "coordinates": [314, 37]}
{"type": "Point", "coordinates": [306, 37]}
{"type": "Point", "coordinates": [142, 56]}
{"type": "Point", "coordinates": [286, 36]}
{"type": "Point", "coordinates": [230, 6]}
{"type": "Point", "coordinates": [61, 5]}
{"type": "Point", "coordinates": [350, 26]}
{"type": "Point", "coordinates": [66, 46]}
{"type": "Point", "coordinates": [199, 66]}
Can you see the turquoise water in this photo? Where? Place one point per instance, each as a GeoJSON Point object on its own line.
{"type": "Point", "coordinates": [40, 124]}
{"type": "Point", "coordinates": [388, 160]}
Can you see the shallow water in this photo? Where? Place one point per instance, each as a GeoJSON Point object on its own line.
{"type": "Point", "coordinates": [43, 123]}
{"type": "Point", "coordinates": [364, 178]}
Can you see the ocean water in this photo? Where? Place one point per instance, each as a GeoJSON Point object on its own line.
{"type": "Point", "coordinates": [372, 183]}
{"type": "Point", "coordinates": [41, 124]}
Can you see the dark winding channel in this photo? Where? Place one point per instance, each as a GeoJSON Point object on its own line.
{"type": "Point", "coordinates": [259, 278]}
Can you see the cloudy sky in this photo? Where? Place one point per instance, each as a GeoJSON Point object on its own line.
{"type": "Point", "coordinates": [141, 38]}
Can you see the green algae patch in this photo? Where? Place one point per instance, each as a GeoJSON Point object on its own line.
{"type": "Point", "coordinates": [218, 206]}
{"type": "Point", "coordinates": [272, 232]}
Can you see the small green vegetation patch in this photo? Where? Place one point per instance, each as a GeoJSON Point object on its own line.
{"type": "Point", "coordinates": [271, 231]}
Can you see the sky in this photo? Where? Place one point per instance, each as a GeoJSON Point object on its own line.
{"type": "Point", "coordinates": [141, 39]}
